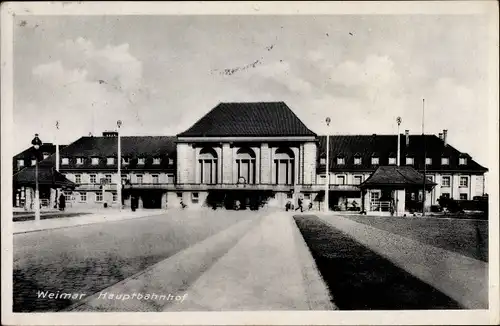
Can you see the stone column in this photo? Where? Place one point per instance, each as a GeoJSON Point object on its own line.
{"type": "Point", "coordinates": [164, 200]}
{"type": "Point", "coordinates": [400, 199]}
{"type": "Point", "coordinates": [53, 198]}
{"type": "Point", "coordinates": [265, 159]}
{"type": "Point", "coordinates": [227, 164]}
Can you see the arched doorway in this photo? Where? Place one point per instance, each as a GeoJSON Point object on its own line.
{"type": "Point", "coordinates": [207, 162]}
{"type": "Point", "coordinates": [284, 166]}
{"type": "Point", "coordinates": [245, 164]}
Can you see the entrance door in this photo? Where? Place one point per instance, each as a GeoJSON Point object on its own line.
{"type": "Point", "coordinates": [207, 172]}
{"type": "Point", "coordinates": [283, 172]}
{"type": "Point", "coordinates": [244, 170]}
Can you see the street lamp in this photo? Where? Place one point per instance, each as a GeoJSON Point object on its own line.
{"type": "Point", "coordinates": [396, 199]}
{"type": "Point", "coordinates": [327, 182]}
{"type": "Point", "coordinates": [36, 142]}
{"type": "Point", "coordinates": [119, 184]}
{"type": "Point", "coordinates": [398, 121]}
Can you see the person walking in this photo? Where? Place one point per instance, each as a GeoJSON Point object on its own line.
{"type": "Point", "coordinates": [299, 206]}
{"type": "Point", "coordinates": [62, 202]}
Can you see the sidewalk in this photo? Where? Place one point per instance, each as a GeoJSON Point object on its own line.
{"type": "Point", "coordinates": [94, 217]}
{"type": "Point", "coordinates": [260, 264]}
{"type": "Point", "coordinates": [461, 278]}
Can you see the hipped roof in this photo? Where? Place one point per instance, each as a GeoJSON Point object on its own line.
{"type": "Point", "coordinates": [47, 176]}
{"type": "Point", "coordinates": [250, 119]}
{"type": "Point", "coordinates": [396, 176]}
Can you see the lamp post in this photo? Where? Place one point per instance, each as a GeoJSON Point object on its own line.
{"type": "Point", "coordinates": [36, 142]}
{"type": "Point", "coordinates": [398, 156]}
{"type": "Point", "coordinates": [327, 182]}
{"type": "Point", "coordinates": [119, 184]}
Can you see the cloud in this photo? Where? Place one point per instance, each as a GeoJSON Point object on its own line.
{"type": "Point", "coordinates": [87, 88]}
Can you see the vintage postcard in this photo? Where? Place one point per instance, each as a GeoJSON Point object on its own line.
{"type": "Point", "coordinates": [250, 163]}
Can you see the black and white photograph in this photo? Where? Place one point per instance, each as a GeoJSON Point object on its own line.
{"type": "Point", "coordinates": [323, 163]}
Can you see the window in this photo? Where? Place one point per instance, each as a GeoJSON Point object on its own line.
{"type": "Point", "coordinates": [93, 178]}
{"type": "Point", "coordinates": [78, 178]}
{"type": "Point", "coordinates": [289, 196]}
{"type": "Point", "coordinates": [98, 196]}
{"type": "Point", "coordinates": [375, 195]}
{"type": "Point", "coordinates": [409, 161]}
{"type": "Point", "coordinates": [357, 161]}
{"type": "Point", "coordinates": [139, 178]}
{"type": "Point", "coordinates": [95, 160]}
{"type": "Point", "coordinates": [156, 161]}
{"type": "Point", "coordinates": [79, 160]}
{"type": "Point", "coordinates": [111, 160]}
{"type": "Point", "coordinates": [140, 161]}
{"type": "Point", "coordinates": [322, 161]}
{"type": "Point", "coordinates": [428, 161]}
{"type": "Point", "coordinates": [445, 161]}
{"type": "Point", "coordinates": [124, 179]}
{"type": "Point", "coordinates": [341, 180]}
{"type": "Point", "coordinates": [156, 178]}
{"type": "Point", "coordinates": [33, 162]}
{"type": "Point", "coordinates": [65, 161]}
{"type": "Point", "coordinates": [170, 161]}
{"type": "Point", "coordinates": [446, 181]}
{"type": "Point", "coordinates": [170, 178]}
{"type": "Point", "coordinates": [194, 197]}
{"type": "Point", "coordinates": [322, 178]}
{"type": "Point", "coordinates": [464, 182]}
{"type": "Point", "coordinates": [463, 196]}
{"type": "Point", "coordinates": [340, 161]}
{"type": "Point", "coordinates": [108, 178]}
{"type": "Point", "coordinates": [125, 160]}
{"type": "Point", "coordinates": [307, 196]}
{"type": "Point", "coordinates": [462, 161]}
{"type": "Point", "coordinates": [20, 163]}
{"type": "Point", "coordinates": [179, 195]}
{"type": "Point", "coordinates": [67, 196]}
{"type": "Point", "coordinates": [115, 196]}
{"type": "Point", "coordinates": [392, 160]}
{"type": "Point", "coordinates": [375, 161]}
{"type": "Point", "coordinates": [83, 196]}
{"type": "Point", "coordinates": [445, 195]}
{"type": "Point", "coordinates": [358, 179]}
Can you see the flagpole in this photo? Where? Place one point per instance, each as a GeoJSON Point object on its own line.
{"type": "Point", "coordinates": [425, 156]}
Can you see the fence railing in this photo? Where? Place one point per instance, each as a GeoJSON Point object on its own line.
{"type": "Point", "coordinates": [380, 206]}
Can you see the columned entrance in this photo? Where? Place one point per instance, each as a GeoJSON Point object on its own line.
{"type": "Point", "coordinates": [208, 166]}
{"type": "Point", "coordinates": [284, 166]}
{"type": "Point", "coordinates": [245, 164]}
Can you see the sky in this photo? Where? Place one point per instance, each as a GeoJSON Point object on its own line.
{"type": "Point", "coordinates": [160, 74]}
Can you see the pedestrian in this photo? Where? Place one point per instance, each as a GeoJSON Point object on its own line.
{"type": "Point", "coordinates": [310, 205]}
{"type": "Point", "coordinates": [62, 202]}
{"type": "Point", "coordinates": [299, 206]}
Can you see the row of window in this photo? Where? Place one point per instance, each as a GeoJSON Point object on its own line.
{"type": "Point", "coordinates": [460, 196]}
{"type": "Point", "coordinates": [341, 179]}
{"type": "Point", "coordinates": [108, 178]}
{"type": "Point", "coordinates": [358, 179]}
{"type": "Point", "coordinates": [392, 161]}
{"type": "Point", "coordinates": [446, 181]}
{"type": "Point", "coordinates": [111, 161]}
{"type": "Point", "coordinates": [98, 196]}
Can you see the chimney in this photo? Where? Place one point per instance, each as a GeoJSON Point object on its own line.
{"type": "Point", "coordinates": [407, 137]}
{"type": "Point", "coordinates": [441, 136]}
{"type": "Point", "coordinates": [445, 136]}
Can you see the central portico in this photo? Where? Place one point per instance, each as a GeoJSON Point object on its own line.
{"type": "Point", "coordinates": [238, 147]}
